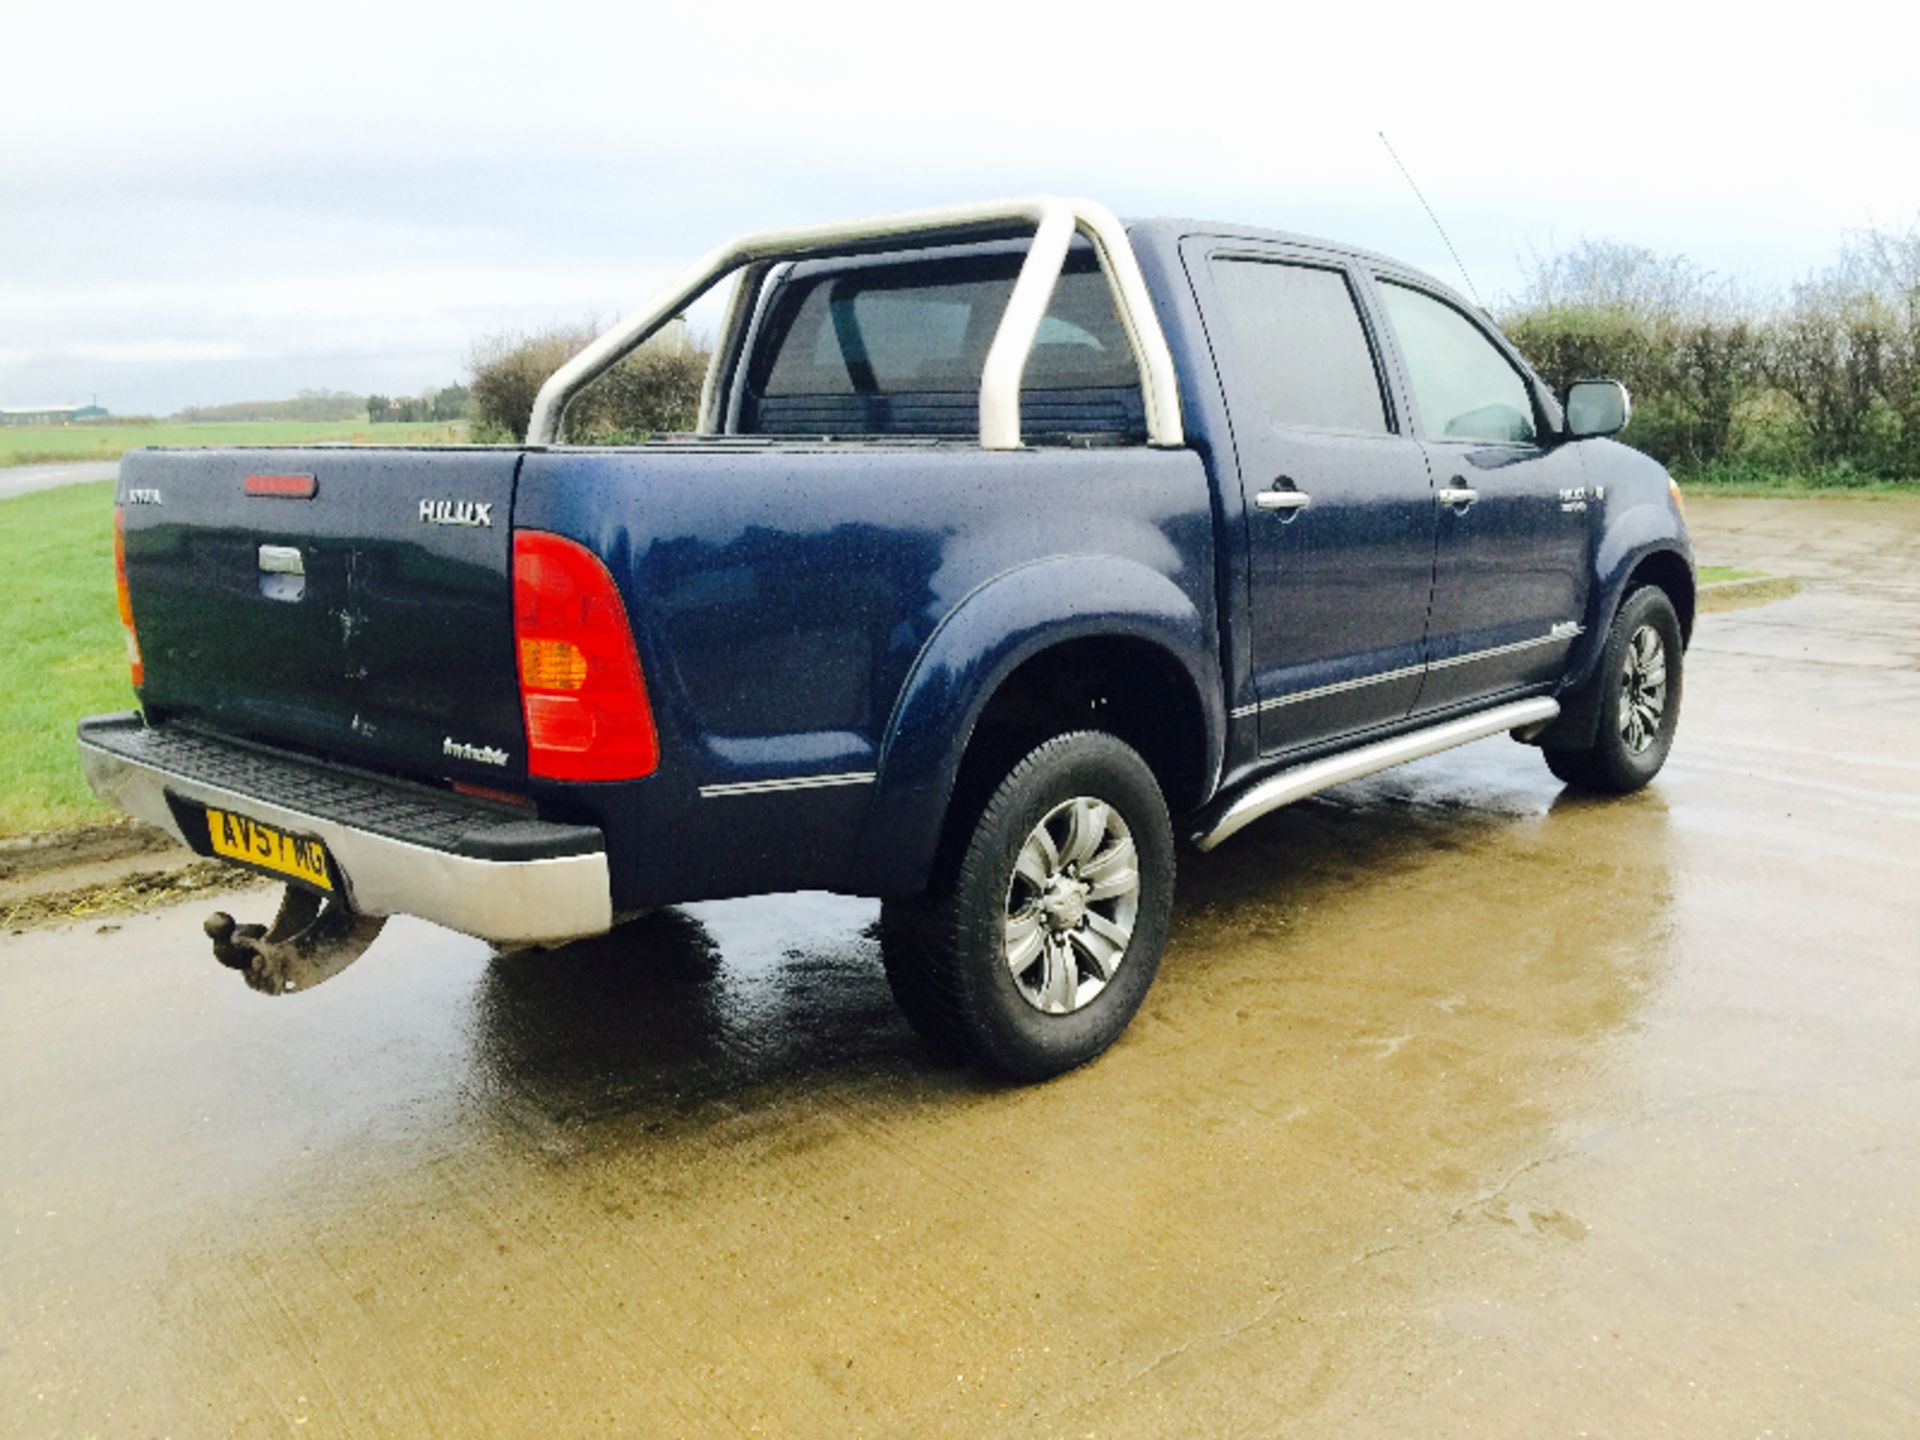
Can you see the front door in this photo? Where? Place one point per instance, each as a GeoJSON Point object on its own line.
{"type": "Point", "coordinates": [1339, 505]}
{"type": "Point", "coordinates": [1511, 554]}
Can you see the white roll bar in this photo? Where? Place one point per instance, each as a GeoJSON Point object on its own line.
{"type": "Point", "coordinates": [1054, 220]}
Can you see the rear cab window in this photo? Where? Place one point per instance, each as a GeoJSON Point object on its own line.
{"type": "Point", "coordinates": [898, 349]}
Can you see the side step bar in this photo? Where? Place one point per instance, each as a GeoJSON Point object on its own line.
{"type": "Point", "coordinates": [1262, 796]}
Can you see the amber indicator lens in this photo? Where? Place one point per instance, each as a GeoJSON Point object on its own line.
{"type": "Point", "coordinates": [552, 665]}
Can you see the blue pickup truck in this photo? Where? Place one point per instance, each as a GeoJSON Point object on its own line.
{"type": "Point", "coordinates": [1015, 546]}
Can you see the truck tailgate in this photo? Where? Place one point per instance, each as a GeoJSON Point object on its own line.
{"type": "Point", "coordinates": [352, 602]}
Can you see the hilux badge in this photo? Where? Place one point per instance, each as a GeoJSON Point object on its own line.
{"type": "Point", "coordinates": [456, 512]}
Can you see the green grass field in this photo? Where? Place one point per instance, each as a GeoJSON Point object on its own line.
{"type": "Point", "coordinates": [42, 444]}
{"type": "Point", "coordinates": [1739, 479]}
{"type": "Point", "coordinates": [61, 655]}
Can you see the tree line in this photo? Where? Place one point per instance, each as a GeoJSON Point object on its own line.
{"type": "Point", "coordinates": [447, 403]}
{"type": "Point", "coordinates": [307, 405]}
{"type": "Point", "coordinates": [1820, 383]}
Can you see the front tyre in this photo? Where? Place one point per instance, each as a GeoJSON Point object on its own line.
{"type": "Point", "coordinates": [1033, 954]}
{"type": "Point", "coordinates": [1640, 672]}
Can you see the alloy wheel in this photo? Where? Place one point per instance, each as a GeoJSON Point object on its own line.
{"type": "Point", "coordinates": [1071, 905]}
{"type": "Point", "coordinates": [1643, 689]}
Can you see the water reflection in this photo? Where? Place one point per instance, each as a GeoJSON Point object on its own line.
{"type": "Point", "coordinates": [1464, 873]}
{"type": "Point", "coordinates": [688, 1004]}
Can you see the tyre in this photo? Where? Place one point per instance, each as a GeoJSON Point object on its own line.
{"type": "Point", "coordinates": [901, 932]}
{"type": "Point", "coordinates": [1640, 674]}
{"type": "Point", "coordinates": [1036, 944]}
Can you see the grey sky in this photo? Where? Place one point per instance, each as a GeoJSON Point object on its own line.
{"type": "Point", "coordinates": [220, 202]}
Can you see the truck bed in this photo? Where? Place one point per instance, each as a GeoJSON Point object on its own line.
{"type": "Point", "coordinates": [781, 594]}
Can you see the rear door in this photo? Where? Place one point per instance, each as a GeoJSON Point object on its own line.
{"type": "Point", "coordinates": [1511, 551]}
{"type": "Point", "coordinates": [1339, 505]}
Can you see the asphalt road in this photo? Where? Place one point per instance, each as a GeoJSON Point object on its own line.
{"type": "Point", "coordinates": [1462, 1106]}
{"type": "Point", "coordinates": [25, 479]}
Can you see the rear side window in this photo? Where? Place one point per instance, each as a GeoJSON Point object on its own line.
{"type": "Point", "coordinates": [926, 329]}
{"type": "Point", "coordinates": [1297, 335]}
{"type": "Point", "coordinates": [1465, 388]}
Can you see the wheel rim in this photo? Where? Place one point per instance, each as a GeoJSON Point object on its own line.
{"type": "Point", "coordinates": [1643, 689]}
{"type": "Point", "coordinates": [1071, 905]}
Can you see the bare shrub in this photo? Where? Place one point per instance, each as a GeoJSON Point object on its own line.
{"type": "Point", "coordinates": [656, 388]}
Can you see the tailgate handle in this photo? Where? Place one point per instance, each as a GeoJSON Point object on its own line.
{"type": "Point", "coordinates": [281, 560]}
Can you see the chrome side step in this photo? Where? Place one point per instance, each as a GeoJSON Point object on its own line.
{"type": "Point", "coordinates": [1301, 781]}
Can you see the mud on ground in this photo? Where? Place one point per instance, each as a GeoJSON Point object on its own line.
{"type": "Point", "coordinates": [115, 867]}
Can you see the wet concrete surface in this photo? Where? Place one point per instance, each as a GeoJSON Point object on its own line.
{"type": "Point", "coordinates": [1462, 1106]}
{"type": "Point", "coordinates": [25, 479]}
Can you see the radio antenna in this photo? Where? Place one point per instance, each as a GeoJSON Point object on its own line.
{"type": "Point", "coordinates": [1434, 218]}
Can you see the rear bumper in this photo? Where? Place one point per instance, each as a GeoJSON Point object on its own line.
{"type": "Point", "coordinates": [400, 849]}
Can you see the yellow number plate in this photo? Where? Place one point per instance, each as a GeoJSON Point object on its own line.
{"type": "Point", "coordinates": [238, 838]}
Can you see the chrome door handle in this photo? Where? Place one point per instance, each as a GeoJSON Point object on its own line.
{"type": "Point", "coordinates": [1461, 495]}
{"type": "Point", "coordinates": [1282, 500]}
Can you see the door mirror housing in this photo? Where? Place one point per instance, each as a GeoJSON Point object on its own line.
{"type": "Point", "coordinates": [1597, 407]}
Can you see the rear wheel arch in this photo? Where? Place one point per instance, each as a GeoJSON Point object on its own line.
{"type": "Point", "coordinates": [1126, 686]}
{"type": "Point", "coordinates": [1014, 660]}
{"type": "Point", "coordinates": [1032, 950]}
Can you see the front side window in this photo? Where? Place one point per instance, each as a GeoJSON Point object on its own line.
{"type": "Point", "coordinates": [1466, 389]}
{"type": "Point", "coordinates": [1300, 344]}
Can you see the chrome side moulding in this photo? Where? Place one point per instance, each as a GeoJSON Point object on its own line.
{"type": "Point", "coordinates": [1269, 794]}
{"type": "Point", "coordinates": [1054, 221]}
{"type": "Point", "coordinates": [782, 787]}
{"type": "Point", "coordinates": [1566, 630]}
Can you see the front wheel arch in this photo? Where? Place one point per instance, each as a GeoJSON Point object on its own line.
{"type": "Point", "coordinates": [1667, 570]}
{"type": "Point", "coordinates": [1618, 755]}
{"type": "Point", "coordinates": [1670, 571]}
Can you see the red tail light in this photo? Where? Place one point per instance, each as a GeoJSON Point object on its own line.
{"type": "Point", "coordinates": [581, 689]}
{"type": "Point", "coordinates": [125, 598]}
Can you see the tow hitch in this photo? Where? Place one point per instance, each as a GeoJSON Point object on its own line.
{"type": "Point", "coordinates": [312, 938]}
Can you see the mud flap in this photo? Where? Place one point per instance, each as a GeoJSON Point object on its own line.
{"type": "Point", "coordinates": [312, 938]}
{"type": "Point", "coordinates": [1578, 723]}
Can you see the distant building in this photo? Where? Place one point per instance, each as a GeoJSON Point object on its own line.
{"type": "Point", "coordinates": [49, 414]}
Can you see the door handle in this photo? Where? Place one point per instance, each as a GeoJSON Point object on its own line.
{"type": "Point", "coordinates": [1288, 499]}
{"type": "Point", "coordinates": [1457, 494]}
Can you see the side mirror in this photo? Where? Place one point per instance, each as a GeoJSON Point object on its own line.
{"type": "Point", "coordinates": [1597, 407]}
